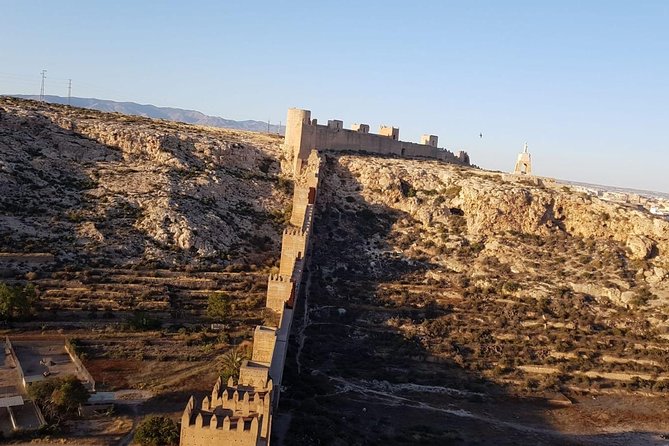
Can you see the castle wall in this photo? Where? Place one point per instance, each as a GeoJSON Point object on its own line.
{"type": "Point", "coordinates": [293, 247]}
{"type": "Point", "coordinates": [241, 414]}
{"type": "Point", "coordinates": [304, 135]}
{"type": "Point", "coordinates": [303, 195]}
{"type": "Point", "coordinates": [228, 431]}
{"type": "Point", "coordinates": [207, 436]}
{"type": "Point", "coordinates": [206, 426]}
{"type": "Point", "coordinates": [280, 291]}
{"type": "Point", "coordinates": [253, 372]}
{"type": "Point", "coordinates": [264, 339]}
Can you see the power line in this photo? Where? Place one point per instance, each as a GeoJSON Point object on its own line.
{"type": "Point", "coordinates": [41, 92]}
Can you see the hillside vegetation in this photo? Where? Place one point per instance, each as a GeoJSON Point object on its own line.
{"type": "Point", "coordinates": [467, 289]}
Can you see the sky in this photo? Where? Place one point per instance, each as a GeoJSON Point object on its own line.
{"type": "Point", "coordinates": [584, 83]}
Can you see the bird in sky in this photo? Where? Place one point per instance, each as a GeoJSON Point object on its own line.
{"type": "Point", "coordinates": [481, 135]}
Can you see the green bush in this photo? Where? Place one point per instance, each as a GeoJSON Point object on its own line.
{"type": "Point", "coordinates": [142, 321]}
{"type": "Point", "coordinates": [218, 306]}
{"type": "Point", "coordinates": [232, 363]}
{"type": "Point", "coordinates": [16, 302]}
{"type": "Point", "coordinates": [157, 431]}
{"type": "Point", "coordinates": [59, 397]}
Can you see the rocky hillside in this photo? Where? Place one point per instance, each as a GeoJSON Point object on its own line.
{"type": "Point", "coordinates": [621, 251]}
{"type": "Point", "coordinates": [100, 189]}
{"type": "Point", "coordinates": [456, 306]}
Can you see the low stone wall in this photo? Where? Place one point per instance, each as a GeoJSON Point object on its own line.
{"type": "Point", "coordinates": [10, 348]}
{"type": "Point", "coordinates": [81, 369]}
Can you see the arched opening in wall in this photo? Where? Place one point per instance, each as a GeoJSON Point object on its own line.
{"type": "Point", "coordinates": [403, 151]}
{"type": "Point", "coordinates": [312, 195]}
{"type": "Point", "coordinates": [525, 168]}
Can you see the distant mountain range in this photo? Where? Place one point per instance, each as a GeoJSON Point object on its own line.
{"type": "Point", "coordinates": [168, 113]}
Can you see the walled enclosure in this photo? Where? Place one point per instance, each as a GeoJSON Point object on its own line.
{"type": "Point", "coordinates": [304, 135]}
{"type": "Point", "coordinates": [240, 414]}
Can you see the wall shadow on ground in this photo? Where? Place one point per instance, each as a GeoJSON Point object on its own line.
{"type": "Point", "coordinates": [352, 378]}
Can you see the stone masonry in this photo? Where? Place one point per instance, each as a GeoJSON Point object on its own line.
{"type": "Point", "coordinates": [304, 134]}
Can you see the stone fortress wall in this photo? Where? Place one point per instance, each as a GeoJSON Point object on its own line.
{"type": "Point", "coordinates": [240, 414]}
{"type": "Point", "coordinates": [303, 134]}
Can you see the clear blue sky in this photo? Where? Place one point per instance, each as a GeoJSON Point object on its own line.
{"type": "Point", "coordinates": [585, 83]}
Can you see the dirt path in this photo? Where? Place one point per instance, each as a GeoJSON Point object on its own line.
{"type": "Point", "coordinates": [385, 394]}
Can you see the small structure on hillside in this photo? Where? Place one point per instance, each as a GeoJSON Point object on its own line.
{"type": "Point", "coordinates": [524, 163]}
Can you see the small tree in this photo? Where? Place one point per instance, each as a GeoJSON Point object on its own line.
{"type": "Point", "coordinates": [69, 395]}
{"type": "Point", "coordinates": [232, 363]}
{"type": "Point", "coordinates": [218, 306]}
{"type": "Point", "coordinates": [59, 397]}
{"type": "Point", "coordinates": [157, 431]}
{"type": "Point", "coordinates": [15, 301]}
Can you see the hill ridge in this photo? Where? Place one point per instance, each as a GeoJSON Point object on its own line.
{"type": "Point", "coordinates": [153, 111]}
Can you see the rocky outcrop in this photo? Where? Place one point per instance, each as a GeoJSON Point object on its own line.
{"type": "Point", "coordinates": [457, 207]}
{"type": "Point", "coordinates": [90, 186]}
{"type": "Point", "coordinates": [640, 247]}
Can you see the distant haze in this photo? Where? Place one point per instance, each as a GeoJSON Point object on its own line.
{"type": "Point", "coordinates": [168, 113]}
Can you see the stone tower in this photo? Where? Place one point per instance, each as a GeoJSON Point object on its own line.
{"type": "Point", "coordinates": [524, 163]}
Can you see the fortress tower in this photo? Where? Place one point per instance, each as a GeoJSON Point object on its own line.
{"type": "Point", "coordinates": [524, 163]}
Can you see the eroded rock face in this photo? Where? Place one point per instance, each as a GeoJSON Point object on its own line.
{"type": "Point", "coordinates": [640, 247]}
{"type": "Point", "coordinates": [120, 189]}
{"type": "Point", "coordinates": [452, 208]}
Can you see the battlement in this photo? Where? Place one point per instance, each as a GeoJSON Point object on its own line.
{"type": "Point", "coordinates": [390, 132]}
{"type": "Point", "coordinates": [362, 128]}
{"type": "Point", "coordinates": [234, 420]}
{"type": "Point", "coordinates": [293, 248]}
{"type": "Point", "coordinates": [252, 373]}
{"type": "Point", "coordinates": [429, 140]}
{"type": "Point", "coordinates": [294, 232]}
{"type": "Point", "coordinates": [279, 278]}
{"type": "Point", "coordinates": [228, 395]}
{"type": "Point", "coordinates": [280, 292]}
{"type": "Point", "coordinates": [304, 134]}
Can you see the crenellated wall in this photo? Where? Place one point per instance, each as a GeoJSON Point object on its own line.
{"type": "Point", "coordinates": [280, 292]}
{"type": "Point", "coordinates": [241, 413]}
{"type": "Point", "coordinates": [304, 135]}
{"type": "Point", "coordinates": [293, 246]}
{"type": "Point", "coordinates": [231, 416]}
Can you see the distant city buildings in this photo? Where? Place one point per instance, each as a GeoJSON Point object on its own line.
{"type": "Point", "coordinates": [655, 204]}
